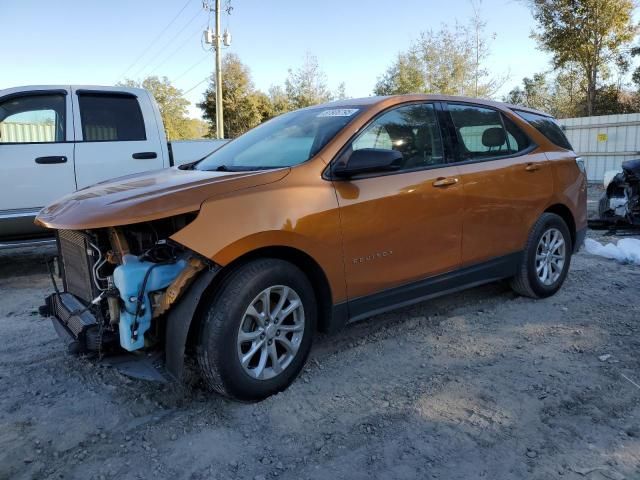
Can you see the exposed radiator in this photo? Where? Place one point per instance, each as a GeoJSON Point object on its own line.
{"type": "Point", "coordinates": [77, 263]}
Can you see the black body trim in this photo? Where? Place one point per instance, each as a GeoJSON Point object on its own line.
{"type": "Point", "coordinates": [55, 91]}
{"type": "Point", "coordinates": [179, 319]}
{"type": "Point", "coordinates": [115, 93]}
{"type": "Point", "coordinates": [397, 297]}
{"type": "Point", "coordinates": [580, 236]}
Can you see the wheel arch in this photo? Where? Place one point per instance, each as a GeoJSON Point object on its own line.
{"type": "Point", "coordinates": [309, 266]}
{"type": "Point", "coordinates": [564, 212]}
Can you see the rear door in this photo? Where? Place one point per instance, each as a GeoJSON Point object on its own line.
{"type": "Point", "coordinates": [116, 135]}
{"type": "Point", "coordinates": [506, 179]}
{"type": "Point", "coordinates": [36, 155]}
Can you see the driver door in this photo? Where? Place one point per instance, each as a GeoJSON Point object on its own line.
{"type": "Point", "coordinates": [402, 227]}
{"type": "Point", "coordinates": [36, 156]}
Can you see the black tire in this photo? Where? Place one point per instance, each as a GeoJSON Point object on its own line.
{"type": "Point", "coordinates": [217, 349]}
{"type": "Point", "coordinates": [526, 281]}
{"type": "Point", "coordinates": [603, 206]}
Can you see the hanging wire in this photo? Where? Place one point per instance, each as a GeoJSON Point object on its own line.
{"type": "Point", "coordinates": [153, 42]}
{"type": "Point", "coordinates": [196, 85]}
{"type": "Point", "coordinates": [179, 48]}
{"type": "Point", "coordinates": [199, 62]}
{"type": "Point", "coordinates": [167, 44]}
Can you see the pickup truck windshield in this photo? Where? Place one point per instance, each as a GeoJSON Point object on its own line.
{"type": "Point", "coordinates": [284, 141]}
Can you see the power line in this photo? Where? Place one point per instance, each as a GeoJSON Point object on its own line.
{"type": "Point", "coordinates": [196, 85]}
{"type": "Point", "coordinates": [153, 42]}
{"type": "Point", "coordinates": [175, 50]}
{"type": "Point", "coordinates": [199, 62]}
{"type": "Point", "coordinates": [162, 50]}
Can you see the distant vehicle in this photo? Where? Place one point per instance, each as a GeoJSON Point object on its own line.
{"type": "Point", "coordinates": [313, 219]}
{"type": "Point", "coordinates": [620, 202]}
{"type": "Point", "coordinates": [58, 139]}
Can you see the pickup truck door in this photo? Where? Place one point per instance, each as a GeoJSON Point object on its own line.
{"type": "Point", "coordinates": [117, 134]}
{"type": "Point", "coordinates": [36, 155]}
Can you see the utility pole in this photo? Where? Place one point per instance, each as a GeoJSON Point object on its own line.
{"type": "Point", "coordinates": [217, 48]}
{"type": "Point", "coordinates": [216, 39]}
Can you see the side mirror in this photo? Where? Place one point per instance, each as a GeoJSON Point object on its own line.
{"type": "Point", "coordinates": [369, 160]}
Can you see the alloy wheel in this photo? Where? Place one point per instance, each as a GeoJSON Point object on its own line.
{"type": "Point", "coordinates": [551, 255]}
{"type": "Point", "coordinates": [270, 332]}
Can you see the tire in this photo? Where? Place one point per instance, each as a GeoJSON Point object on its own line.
{"type": "Point", "coordinates": [603, 206]}
{"type": "Point", "coordinates": [231, 330]}
{"type": "Point", "coordinates": [527, 281]}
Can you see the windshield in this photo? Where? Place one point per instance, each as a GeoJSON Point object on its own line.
{"type": "Point", "coordinates": [284, 141]}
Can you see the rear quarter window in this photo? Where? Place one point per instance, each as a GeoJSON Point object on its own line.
{"type": "Point", "coordinates": [548, 127]}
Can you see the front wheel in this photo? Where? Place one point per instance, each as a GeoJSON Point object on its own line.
{"type": "Point", "coordinates": [257, 333]}
{"type": "Point", "coordinates": [546, 258]}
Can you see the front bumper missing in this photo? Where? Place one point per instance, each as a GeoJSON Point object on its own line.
{"type": "Point", "coordinates": [73, 323]}
{"type": "Point", "coordinates": [79, 328]}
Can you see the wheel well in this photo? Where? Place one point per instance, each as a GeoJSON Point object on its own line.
{"type": "Point", "coordinates": [564, 212]}
{"type": "Point", "coordinates": [304, 262]}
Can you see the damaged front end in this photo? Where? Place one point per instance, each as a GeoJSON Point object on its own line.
{"type": "Point", "coordinates": [119, 285]}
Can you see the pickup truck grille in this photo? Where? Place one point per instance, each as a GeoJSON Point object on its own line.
{"type": "Point", "coordinates": [76, 263]}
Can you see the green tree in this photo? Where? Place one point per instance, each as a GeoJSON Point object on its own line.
{"type": "Point", "coordinates": [244, 106]}
{"type": "Point", "coordinates": [307, 85]}
{"type": "Point", "coordinates": [447, 61]}
{"type": "Point", "coordinates": [279, 101]}
{"type": "Point", "coordinates": [534, 93]}
{"type": "Point", "coordinates": [590, 34]}
{"type": "Point", "coordinates": [404, 76]}
{"type": "Point", "coordinates": [172, 105]}
{"type": "Point", "coordinates": [196, 128]}
{"type": "Point", "coordinates": [556, 94]}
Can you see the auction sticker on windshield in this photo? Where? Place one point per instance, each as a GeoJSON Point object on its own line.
{"type": "Point", "coordinates": [338, 112]}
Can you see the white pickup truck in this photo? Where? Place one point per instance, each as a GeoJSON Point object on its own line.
{"type": "Point", "coordinates": [58, 139]}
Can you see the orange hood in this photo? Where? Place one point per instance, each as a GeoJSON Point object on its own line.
{"type": "Point", "coordinates": [147, 196]}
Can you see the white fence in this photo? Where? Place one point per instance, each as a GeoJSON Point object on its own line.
{"type": "Point", "coordinates": [26, 132]}
{"type": "Point", "coordinates": [604, 142]}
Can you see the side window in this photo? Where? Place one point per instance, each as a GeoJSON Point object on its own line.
{"type": "Point", "coordinates": [479, 130]}
{"type": "Point", "coordinates": [518, 140]}
{"type": "Point", "coordinates": [412, 130]}
{"type": "Point", "coordinates": [548, 127]}
{"type": "Point", "coordinates": [109, 118]}
{"type": "Point", "coordinates": [33, 119]}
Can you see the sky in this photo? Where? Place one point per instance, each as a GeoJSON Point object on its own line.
{"type": "Point", "coordinates": [102, 42]}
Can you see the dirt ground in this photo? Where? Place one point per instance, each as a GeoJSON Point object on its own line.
{"type": "Point", "coordinates": [480, 384]}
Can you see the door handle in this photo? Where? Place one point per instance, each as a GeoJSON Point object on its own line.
{"type": "Point", "coordinates": [145, 155]}
{"type": "Point", "coordinates": [532, 167]}
{"type": "Point", "coordinates": [445, 182]}
{"type": "Point", "coordinates": [50, 160]}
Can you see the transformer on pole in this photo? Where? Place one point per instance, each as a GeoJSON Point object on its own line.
{"type": "Point", "coordinates": [216, 39]}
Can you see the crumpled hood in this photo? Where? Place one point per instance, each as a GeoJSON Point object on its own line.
{"type": "Point", "coordinates": [147, 196]}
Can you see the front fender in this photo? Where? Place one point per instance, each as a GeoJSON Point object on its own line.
{"type": "Point", "coordinates": [179, 320]}
{"type": "Point", "coordinates": [303, 215]}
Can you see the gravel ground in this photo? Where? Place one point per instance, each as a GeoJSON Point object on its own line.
{"type": "Point", "coordinates": [480, 384]}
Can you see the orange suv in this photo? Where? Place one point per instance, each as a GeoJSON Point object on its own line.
{"type": "Point", "coordinates": [314, 219]}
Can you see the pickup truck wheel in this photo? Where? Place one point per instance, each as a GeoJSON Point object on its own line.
{"type": "Point", "coordinates": [257, 333]}
{"type": "Point", "coordinates": [546, 258]}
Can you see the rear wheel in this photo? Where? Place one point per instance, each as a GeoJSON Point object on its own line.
{"type": "Point", "coordinates": [257, 333]}
{"type": "Point", "coordinates": [546, 259]}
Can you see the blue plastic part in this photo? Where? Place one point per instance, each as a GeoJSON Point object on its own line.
{"type": "Point", "coordinates": [128, 278]}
